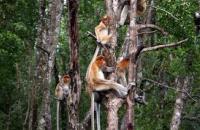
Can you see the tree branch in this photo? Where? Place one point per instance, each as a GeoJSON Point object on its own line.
{"type": "Point", "coordinates": [164, 46]}
{"type": "Point", "coordinates": [166, 86]}
{"type": "Point", "coordinates": [150, 32]}
{"type": "Point", "coordinates": [91, 34]}
{"type": "Point", "coordinates": [143, 26]}
{"type": "Point", "coordinates": [86, 121]}
{"type": "Point", "coordinates": [196, 119]}
{"type": "Point", "coordinates": [98, 43]}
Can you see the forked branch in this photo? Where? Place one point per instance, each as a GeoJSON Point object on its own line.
{"type": "Point", "coordinates": [143, 26]}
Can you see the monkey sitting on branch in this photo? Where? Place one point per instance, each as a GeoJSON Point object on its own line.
{"type": "Point", "coordinates": [101, 31]}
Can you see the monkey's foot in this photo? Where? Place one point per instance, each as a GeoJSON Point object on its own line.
{"type": "Point", "coordinates": [123, 93]}
{"type": "Point", "coordinates": [131, 85]}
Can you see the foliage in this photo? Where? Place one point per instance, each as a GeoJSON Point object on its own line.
{"type": "Point", "coordinates": [18, 24]}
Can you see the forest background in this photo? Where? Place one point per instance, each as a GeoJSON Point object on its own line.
{"type": "Point", "coordinates": [20, 23]}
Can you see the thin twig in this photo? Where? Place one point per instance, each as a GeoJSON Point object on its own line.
{"type": "Point", "coordinates": [159, 84]}
{"type": "Point", "coordinates": [86, 121]}
{"type": "Point", "coordinates": [150, 32]}
{"type": "Point", "coordinates": [165, 12]}
{"type": "Point", "coordinates": [197, 119]}
{"type": "Point", "coordinates": [91, 34]}
{"type": "Point", "coordinates": [164, 46]}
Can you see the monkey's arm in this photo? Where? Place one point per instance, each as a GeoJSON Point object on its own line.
{"type": "Point", "coordinates": [98, 29]}
{"type": "Point", "coordinates": [105, 38]}
{"type": "Point", "coordinates": [108, 69]}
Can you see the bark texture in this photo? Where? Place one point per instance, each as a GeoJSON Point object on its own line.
{"type": "Point", "coordinates": [113, 103]}
{"type": "Point", "coordinates": [75, 86]}
{"type": "Point", "coordinates": [182, 93]}
{"type": "Point", "coordinates": [48, 31]}
{"type": "Point", "coordinates": [132, 67]}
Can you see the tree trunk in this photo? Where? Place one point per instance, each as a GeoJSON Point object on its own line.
{"type": "Point", "coordinates": [75, 86]}
{"type": "Point", "coordinates": [8, 120]}
{"type": "Point", "coordinates": [37, 81]}
{"type": "Point", "coordinates": [113, 103]}
{"type": "Point", "coordinates": [182, 90]}
{"type": "Point", "coordinates": [132, 67]}
{"type": "Point", "coordinates": [47, 40]}
{"type": "Point", "coordinates": [150, 19]}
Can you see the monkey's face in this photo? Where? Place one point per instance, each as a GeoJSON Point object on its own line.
{"type": "Point", "coordinates": [100, 61]}
{"type": "Point", "coordinates": [66, 79]}
{"type": "Point", "coordinates": [106, 20]}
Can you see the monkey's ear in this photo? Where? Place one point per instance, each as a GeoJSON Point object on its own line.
{"type": "Point", "coordinates": [103, 19]}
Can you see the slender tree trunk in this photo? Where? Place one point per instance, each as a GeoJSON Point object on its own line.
{"type": "Point", "coordinates": [52, 32]}
{"type": "Point", "coordinates": [149, 19]}
{"type": "Point", "coordinates": [37, 74]}
{"type": "Point", "coordinates": [132, 67]}
{"type": "Point", "coordinates": [113, 103]}
{"type": "Point", "coordinates": [28, 91]}
{"type": "Point", "coordinates": [182, 90]}
{"type": "Point", "coordinates": [8, 121]}
{"type": "Point", "coordinates": [75, 86]}
{"type": "Point", "coordinates": [47, 40]}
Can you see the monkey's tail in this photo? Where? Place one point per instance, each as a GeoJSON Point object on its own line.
{"type": "Point", "coordinates": [57, 114]}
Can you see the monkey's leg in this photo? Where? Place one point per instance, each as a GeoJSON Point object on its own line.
{"type": "Point", "coordinates": [105, 39]}
{"type": "Point", "coordinates": [98, 116]}
{"type": "Point", "coordinates": [58, 112]}
{"type": "Point", "coordinates": [122, 91]}
{"type": "Point", "coordinates": [106, 85]}
{"type": "Point", "coordinates": [92, 111]}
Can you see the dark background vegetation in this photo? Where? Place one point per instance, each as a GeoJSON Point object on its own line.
{"type": "Point", "coordinates": [18, 27]}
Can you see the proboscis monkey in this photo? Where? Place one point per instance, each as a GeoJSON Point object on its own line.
{"type": "Point", "coordinates": [61, 91]}
{"type": "Point", "coordinates": [101, 30]}
{"type": "Point", "coordinates": [97, 83]}
{"type": "Point", "coordinates": [122, 67]}
{"type": "Point", "coordinates": [141, 8]}
{"type": "Point", "coordinates": [123, 63]}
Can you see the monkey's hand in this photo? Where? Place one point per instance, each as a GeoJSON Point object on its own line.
{"type": "Point", "coordinates": [108, 69]}
{"type": "Point", "coordinates": [131, 85]}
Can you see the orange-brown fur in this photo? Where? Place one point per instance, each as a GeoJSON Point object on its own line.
{"type": "Point", "coordinates": [97, 81]}
{"type": "Point", "coordinates": [62, 86]}
{"type": "Point", "coordinates": [122, 67]}
{"type": "Point", "coordinates": [101, 30]}
{"type": "Point", "coordinates": [123, 64]}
